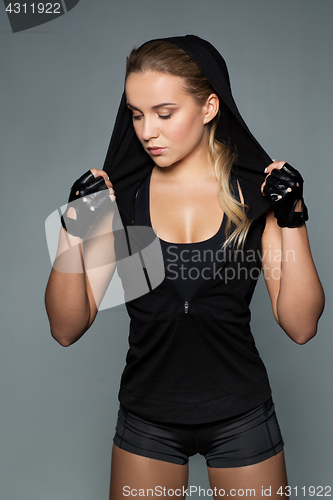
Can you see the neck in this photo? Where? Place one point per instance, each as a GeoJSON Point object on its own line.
{"type": "Point", "coordinates": [193, 167]}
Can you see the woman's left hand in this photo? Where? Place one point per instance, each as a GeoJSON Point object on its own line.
{"type": "Point", "coordinates": [284, 186]}
{"type": "Point", "coordinates": [292, 281]}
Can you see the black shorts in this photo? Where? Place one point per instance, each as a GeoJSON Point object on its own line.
{"type": "Point", "coordinates": [247, 439]}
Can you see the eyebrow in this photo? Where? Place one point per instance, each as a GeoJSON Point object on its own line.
{"type": "Point", "coordinates": [153, 107]}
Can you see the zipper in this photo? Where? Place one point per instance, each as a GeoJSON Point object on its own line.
{"type": "Point", "coordinates": [170, 283]}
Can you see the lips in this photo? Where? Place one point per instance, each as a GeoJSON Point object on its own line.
{"type": "Point", "coordinates": [156, 150]}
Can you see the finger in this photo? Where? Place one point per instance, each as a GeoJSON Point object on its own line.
{"type": "Point", "coordinates": [82, 181]}
{"type": "Point", "coordinates": [109, 186]}
{"type": "Point", "coordinates": [99, 173]}
{"type": "Point", "coordinates": [97, 184]}
{"type": "Point", "coordinates": [284, 177]}
{"type": "Point", "coordinates": [275, 164]}
{"type": "Point", "coordinates": [270, 172]}
{"type": "Point", "coordinates": [112, 195]}
{"type": "Point", "coordinates": [100, 183]}
{"type": "Point", "coordinates": [262, 189]}
{"type": "Point", "coordinates": [291, 171]}
{"type": "Point", "coordinates": [276, 182]}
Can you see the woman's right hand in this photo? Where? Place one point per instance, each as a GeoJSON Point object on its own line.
{"type": "Point", "coordinates": [101, 173]}
{"type": "Point", "coordinates": [89, 196]}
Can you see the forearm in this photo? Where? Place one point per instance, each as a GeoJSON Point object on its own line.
{"type": "Point", "coordinates": [66, 297]}
{"type": "Point", "coordinates": [300, 300]}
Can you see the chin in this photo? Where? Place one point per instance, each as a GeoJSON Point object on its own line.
{"type": "Point", "coordinates": [162, 163]}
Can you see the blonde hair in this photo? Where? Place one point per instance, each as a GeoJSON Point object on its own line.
{"type": "Point", "coordinates": [166, 57]}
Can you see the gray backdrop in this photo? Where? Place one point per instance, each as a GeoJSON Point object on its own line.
{"type": "Point", "coordinates": [61, 85]}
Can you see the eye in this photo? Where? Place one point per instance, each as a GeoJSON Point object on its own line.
{"type": "Point", "coordinates": [164, 117]}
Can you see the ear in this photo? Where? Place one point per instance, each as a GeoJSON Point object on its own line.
{"type": "Point", "coordinates": [211, 108]}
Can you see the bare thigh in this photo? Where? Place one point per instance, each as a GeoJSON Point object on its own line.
{"type": "Point", "coordinates": [133, 472]}
{"type": "Point", "coordinates": [269, 475]}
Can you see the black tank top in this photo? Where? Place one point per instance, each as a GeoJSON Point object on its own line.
{"type": "Point", "coordinates": [187, 264]}
{"type": "Point", "coordinates": [194, 359]}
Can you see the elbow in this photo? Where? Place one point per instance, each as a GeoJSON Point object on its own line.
{"type": "Point", "coordinates": [65, 332]}
{"type": "Point", "coordinates": [299, 328]}
{"type": "Point", "coordinates": [300, 334]}
{"type": "Point", "coordinates": [303, 340]}
{"type": "Point", "coordinates": [64, 338]}
{"type": "Point", "coordinates": [63, 342]}
{"type": "Point", "coordinates": [303, 337]}
{"type": "Point", "coordinates": [308, 332]}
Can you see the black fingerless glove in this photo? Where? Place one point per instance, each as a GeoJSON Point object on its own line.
{"type": "Point", "coordinates": [285, 187]}
{"type": "Point", "coordinates": [89, 196]}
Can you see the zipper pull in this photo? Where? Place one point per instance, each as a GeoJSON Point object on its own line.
{"type": "Point", "coordinates": [186, 307]}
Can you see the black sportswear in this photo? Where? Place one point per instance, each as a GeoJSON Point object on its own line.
{"type": "Point", "coordinates": [244, 440]}
{"type": "Point", "coordinates": [195, 360]}
{"type": "Point", "coordinates": [194, 357]}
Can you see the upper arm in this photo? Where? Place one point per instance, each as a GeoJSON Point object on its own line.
{"type": "Point", "coordinates": [271, 244]}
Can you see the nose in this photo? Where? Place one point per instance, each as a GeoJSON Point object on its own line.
{"type": "Point", "coordinates": [149, 129]}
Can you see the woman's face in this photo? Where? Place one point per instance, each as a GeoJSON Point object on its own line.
{"type": "Point", "coordinates": [167, 117]}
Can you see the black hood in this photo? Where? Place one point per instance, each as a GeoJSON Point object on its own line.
{"type": "Point", "coordinates": [127, 163]}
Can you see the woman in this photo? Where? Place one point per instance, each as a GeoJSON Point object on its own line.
{"type": "Point", "coordinates": [182, 161]}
